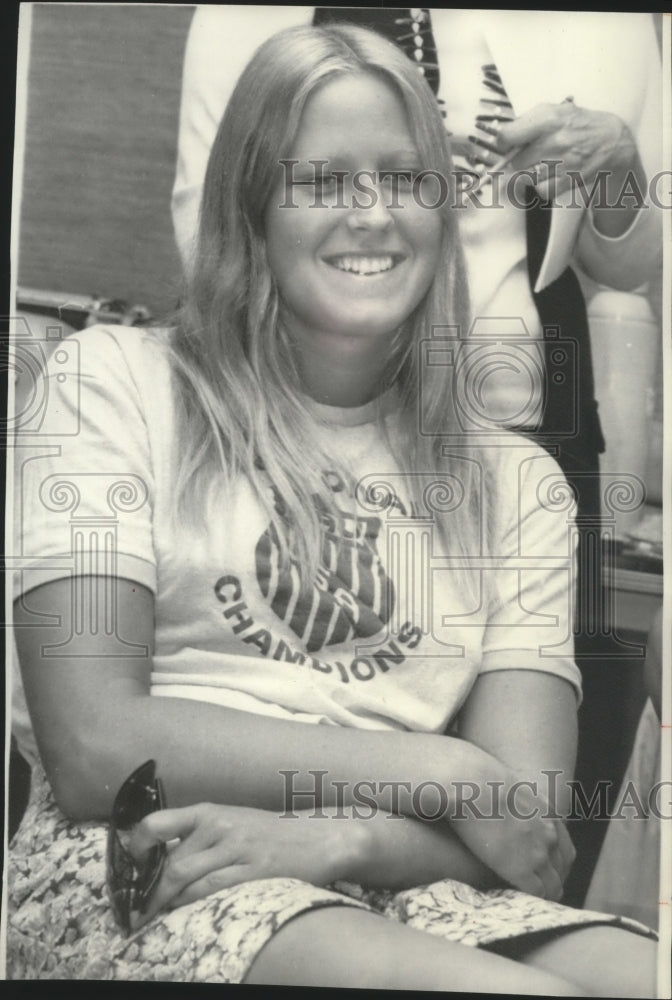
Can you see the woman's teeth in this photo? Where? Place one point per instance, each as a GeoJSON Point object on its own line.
{"type": "Point", "coordinates": [363, 265]}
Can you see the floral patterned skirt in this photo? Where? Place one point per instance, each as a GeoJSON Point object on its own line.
{"type": "Point", "coordinates": [60, 925]}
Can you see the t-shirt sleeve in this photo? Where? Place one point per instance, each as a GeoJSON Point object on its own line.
{"type": "Point", "coordinates": [529, 625]}
{"type": "Point", "coordinates": [83, 475]}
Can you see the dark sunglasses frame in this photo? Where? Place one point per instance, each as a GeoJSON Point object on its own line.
{"type": "Point", "coordinates": [131, 883]}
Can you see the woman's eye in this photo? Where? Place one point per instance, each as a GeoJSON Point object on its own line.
{"type": "Point", "coordinates": [320, 180]}
{"type": "Point", "coordinates": [328, 180]}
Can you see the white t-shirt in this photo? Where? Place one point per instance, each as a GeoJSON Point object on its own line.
{"type": "Point", "coordinates": [385, 638]}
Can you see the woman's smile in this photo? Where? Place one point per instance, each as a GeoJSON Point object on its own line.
{"type": "Point", "coordinates": [365, 265]}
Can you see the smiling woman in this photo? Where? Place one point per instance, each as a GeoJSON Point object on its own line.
{"type": "Point", "coordinates": [355, 591]}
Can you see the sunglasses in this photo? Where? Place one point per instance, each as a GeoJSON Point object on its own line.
{"type": "Point", "coordinates": [131, 882]}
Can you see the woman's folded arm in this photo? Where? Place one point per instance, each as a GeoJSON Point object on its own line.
{"type": "Point", "coordinates": [95, 722]}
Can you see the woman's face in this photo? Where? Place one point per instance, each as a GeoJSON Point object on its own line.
{"type": "Point", "coordinates": [351, 258]}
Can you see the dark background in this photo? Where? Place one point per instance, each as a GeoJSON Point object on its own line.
{"type": "Point", "coordinates": [101, 138]}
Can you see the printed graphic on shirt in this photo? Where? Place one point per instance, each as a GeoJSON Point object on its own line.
{"type": "Point", "coordinates": [351, 597]}
{"type": "Point", "coordinates": [239, 618]}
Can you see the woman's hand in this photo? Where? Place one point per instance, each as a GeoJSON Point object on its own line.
{"type": "Point", "coordinates": [511, 828]}
{"type": "Point", "coordinates": [222, 846]}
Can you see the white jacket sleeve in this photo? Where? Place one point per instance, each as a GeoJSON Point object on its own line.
{"type": "Point", "coordinates": [627, 261]}
{"type": "Point", "coordinates": [606, 62]}
{"type": "Point", "coordinates": [221, 41]}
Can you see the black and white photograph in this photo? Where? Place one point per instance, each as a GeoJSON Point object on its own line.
{"type": "Point", "coordinates": [338, 499]}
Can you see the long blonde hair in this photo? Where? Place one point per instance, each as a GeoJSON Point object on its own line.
{"type": "Point", "coordinates": [238, 396]}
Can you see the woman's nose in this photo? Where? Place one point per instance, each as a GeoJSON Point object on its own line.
{"type": "Point", "coordinates": [368, 208]}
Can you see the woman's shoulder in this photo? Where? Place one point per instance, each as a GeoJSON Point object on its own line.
{"type": "Point", "coordinates": [520, 472]}
{"type": "Point", "coordinates": [126, 339]}
{"type": "Point", "coordinates": [120, 366]}
{"type": "Point", "coordinates": [512, 453]}
{"type": "Point", "coordinates": [110, 349]}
